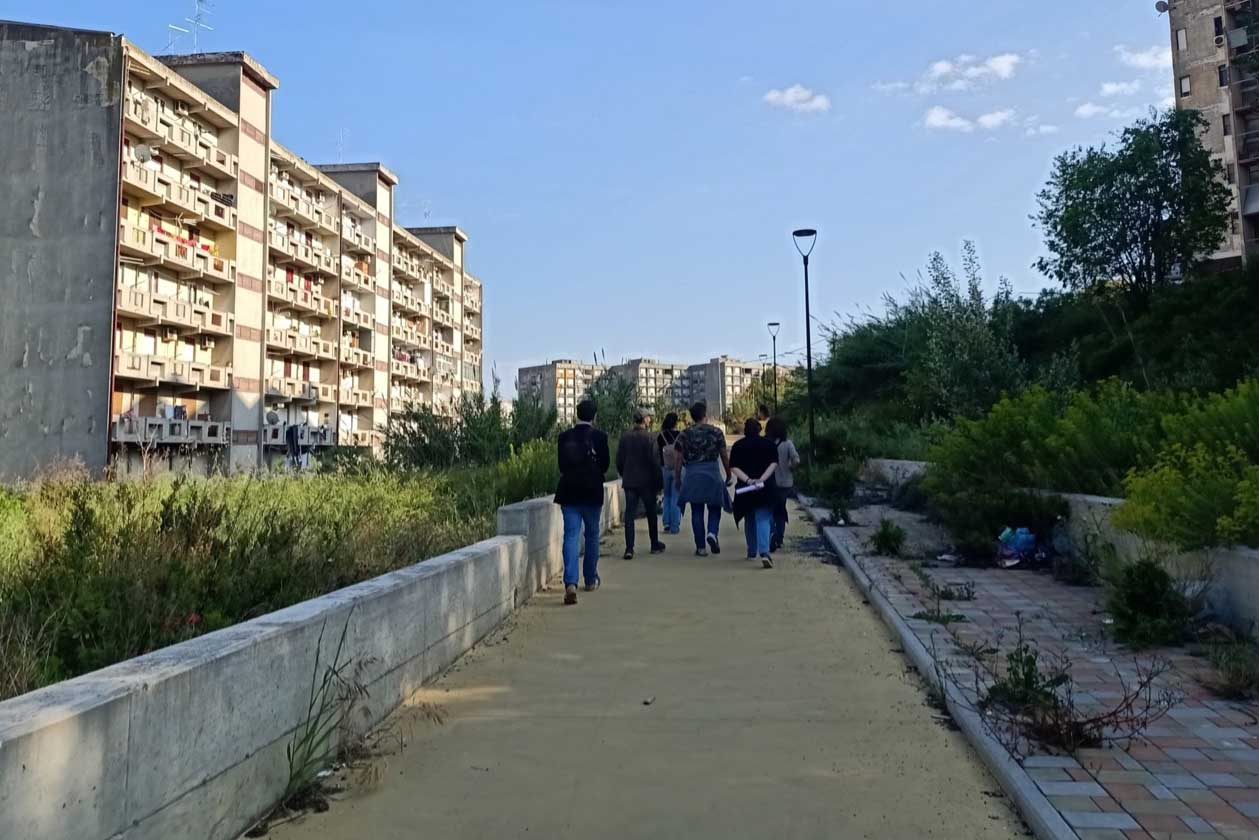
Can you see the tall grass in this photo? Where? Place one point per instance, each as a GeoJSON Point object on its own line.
{"type": "Point", "coordinates": [92, 573]}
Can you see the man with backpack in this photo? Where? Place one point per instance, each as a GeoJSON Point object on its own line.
{"type": "Point", "coordinates": [584, 460]}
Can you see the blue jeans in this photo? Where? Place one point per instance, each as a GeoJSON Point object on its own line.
{"type": "Point", "coordinates": [575, 518]}
{"type": "Point", "coordinates": [756, 527]}
{"type": "Point", "coordinates": [697, 523]}
{"type": "Point", "coordinates": [672, 513]}
{"type": "Point", "coordinates": [779, 532]}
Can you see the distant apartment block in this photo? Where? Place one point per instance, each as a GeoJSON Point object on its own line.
{"type": "Point", "coordinates": [1212, 40]}
{"type": "Point", "coordinates": [559, 384]}
{"type": "Point", "coordinates": [719, 382]}
{"type": "Point", "coordinates": [190, 291]}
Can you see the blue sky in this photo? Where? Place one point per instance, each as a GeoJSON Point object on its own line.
{"type": "Point", "coordinates": [629, 170]}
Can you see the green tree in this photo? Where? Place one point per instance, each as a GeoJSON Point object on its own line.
{"type": "Point", "coordinates": [531, 420]}
{"type": "Point", "coordinates": [484, 437]}
{"type": "Point", "coordinates": [1135, 215]}
{"type": "Point", "coordinates": [617, 399]}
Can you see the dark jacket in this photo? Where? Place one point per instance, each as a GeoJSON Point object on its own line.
{"type": "Point", "coordinates": [584, 460]}
{"type": "Point", "coordinates": [638, 463]}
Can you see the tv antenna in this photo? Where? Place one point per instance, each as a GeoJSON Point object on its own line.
{"type": "Point", "coordinates": [201, 10]}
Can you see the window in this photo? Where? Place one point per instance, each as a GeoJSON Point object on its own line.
{"type": "Point", "coordinates": [1184, 86]}
{"type": "Point", "coordinates": [1219, 27]}
{"type": "Point", "coordinates": [1228, 124]}
{"type": "Point", "coordinates": [1223, 71]}
{"type": "Point", "coordinates": [1182, 39]}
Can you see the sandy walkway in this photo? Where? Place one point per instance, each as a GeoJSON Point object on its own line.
{"type": "Point", "coordinates": [780, 711]}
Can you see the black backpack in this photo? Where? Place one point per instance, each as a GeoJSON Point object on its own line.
{"type": "Point", "coordinates": [578, 458]}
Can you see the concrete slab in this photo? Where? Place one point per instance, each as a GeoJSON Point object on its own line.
{"type": "Point", "coordinates": [778, 710]}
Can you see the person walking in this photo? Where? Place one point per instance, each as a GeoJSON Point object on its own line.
{"type": "Point", "coordinates": [701, 483]}
{"type": "Point", "coordinates": [584, 459]}
{"type": "Point", "coordinates": [671, 468]}
{"type": "Point", "coordinates": [788, 459]}
{"type": "Point", "coordinates": [753, 462]}
{"type": "Point", "coordinates": [639, 467]}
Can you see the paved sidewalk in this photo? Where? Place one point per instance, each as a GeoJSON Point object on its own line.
{"type": "Point", "coordinates": [780, 710]}
{"type": "Point", "coordinates": [1195, 773]}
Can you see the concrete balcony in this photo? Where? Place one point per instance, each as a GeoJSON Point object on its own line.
{"type": "Point", "coordinates": [324, 349]}
{"type": "Point", "coordinates": [353, 276]}
{"type": "Point", "coordinates": [357, 397]}
{"type": "Point", "coordinates": [471, 332]}
{"type": "Point", "coordinates": [472, 302]}
{"type": "Point", "coordinates": [222, 165]}
{"type": "Point", "coordinates": [407, 266]}
{"type": "Point", "coordinates": [180, 199]}
{"type": "Point", "coordinates": [443, 290]}
{"type": "Point", "coordinates": [215, 323]}
{"type": "Point", "coordinates": [148, 430]}
{"type": "Point", "coordinates": [405, 334]}
{"type": "Point", "coordinates": [180, 138]}
{"type": "Point", "coordinates": [214, 212]}
{"type": "Point", "coordinates": [282, 199]}
{"type": "Point", "coordinates": [325, 307]}
{"type": "Point", "coordinates": [325, 261]}
{"type": "Point", "coordinates": [135, 241]}
{"type": "Point", "coordinates": [155, 371]}
{"type": "Point", "coordinates": [278, 339]}
{"type": "Point", "coordinates": [139, 180]}
{"type": "Point", "coordinates": [280, 244]}
{"type": "Point", "coordinates": [140, 116]}
{"type": "Point", "coordinates": [443, 347]}
{"type": "Point", "coordinates": [358, 317]}
{"type": "Point", "coordinates": [472, 358]}
{"type": "Point", "coordinates": [356, 357]}
{"type": "Point", "coordinates": [217, 269]}
{"type": "Point", "coordinates": [441, 316]}
{"type": "Point", "coordinates": [404, 300]}
{"type": "Point", "coordinates": [404, 370]}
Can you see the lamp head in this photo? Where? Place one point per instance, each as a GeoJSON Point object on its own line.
{"type": "Point", "coordinates": [805, 239]}
{"type": "Point", "coordinates": [774, 327]}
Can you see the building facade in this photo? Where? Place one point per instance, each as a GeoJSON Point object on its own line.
{"type": "Point", "coordinates": [1211, 45]}
{"type": "Point", "coordinates": [207, 298]}
{"type": "Point", "coordinates": [559, 384]}
{"type": "Point", "coordinates": [657, 382]}
{"type": "Point", "coordinates": [719, 382]}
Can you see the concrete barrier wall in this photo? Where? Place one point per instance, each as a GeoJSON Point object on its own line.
{"type": "Point", "coordinates": [190, 741]}
{"type": "Point", "coordinates": [1235, 595]}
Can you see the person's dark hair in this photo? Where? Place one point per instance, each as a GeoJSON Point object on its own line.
{"type": "Point", "coordinates": [586, 411]}
{"type": "Point", "coordinates": [762, 410]}
{"type": "Point", "coordinates": [752, 428]}
{"type": "Point", "coordinates": [670, 421]}
{"type": "Point", "coordinates": [776, 429]}
{"type": "Point", "coordinates": [699, 412]}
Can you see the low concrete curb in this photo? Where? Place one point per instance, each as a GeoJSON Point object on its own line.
{"type": "Point", "coordinates": [1040, 815]}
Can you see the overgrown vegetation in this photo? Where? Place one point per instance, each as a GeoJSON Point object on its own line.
{"type": "Point", "coordinates": [1148, 608]}
{"type": "Point", "coordinates": [104, 571]}
{"type": "Point", "coordinates": [1237, 664]}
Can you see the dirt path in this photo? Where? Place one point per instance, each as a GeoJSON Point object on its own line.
{"type": "Point", "coordinates": [778, 709]}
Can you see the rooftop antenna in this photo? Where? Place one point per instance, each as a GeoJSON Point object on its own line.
{"type": "Point", "coordinates": [201, 9]}
{"type": "Point", "coordinates": [341, 144]}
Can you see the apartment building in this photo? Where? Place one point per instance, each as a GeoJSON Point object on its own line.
{"type": "Point", "coordinates": [1212, 42]}
{"type": "Point", "coordinates": [195, 295]}
{"type": "Point", "coordinates": [657, 381]}
{"type": "Point", "coordinates": [560, 384]}
{"type": "Point", "coordinates": [722, 380]}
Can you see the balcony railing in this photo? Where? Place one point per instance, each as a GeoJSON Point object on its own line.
{"type": "Point", "coordinates": [223, 165]}
{"type": "Point", "coordinates": [442, 289]}
{"type": "Point", "coordinates": [142, 180]}
{"type": "Point", "coordinates": [170, 371]}
{"type": "Point", "coordinates": [145, 430]}
{"type": "Point", "coordinates": [471, 331]}
{"type": "Point", "coordinates": [141, 115]}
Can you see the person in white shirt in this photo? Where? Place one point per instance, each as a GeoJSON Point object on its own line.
{"type": "Point", "coordinates": [788, 460]}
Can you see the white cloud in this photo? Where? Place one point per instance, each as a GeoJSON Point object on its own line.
{"type": "Point", "coordinates": [943, 119]}
{"type": "Point", "coordinates": [965, 72]}
{"type": "Point", "coordinates": [1158, 57]}
{"type": "Point", "coordinates": [1042, 130]}
{"type": "Point", "coordinates": [996, 119]}
{"type": "Point", "coordinates": [1091, 110]}
{"type": "Point", "coordinates": [800, 99]}
{"type": "Point", "coordinates": [1120, 88]}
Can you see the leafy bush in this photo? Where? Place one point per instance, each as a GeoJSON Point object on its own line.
{"type": "Point", "coordinates": [1147, 607]}
{"type": "Point", "coordinates": [889, 540]}
{"type": "Point", "coordinates": [910, 496]}
{"type": "Point", "coordinates": [834, 484]}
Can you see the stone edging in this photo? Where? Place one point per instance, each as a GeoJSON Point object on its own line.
{"type": "Point", "coordinates": [1041, 816]}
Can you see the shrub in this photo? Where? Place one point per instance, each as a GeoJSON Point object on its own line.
{"type": "Point", "coordinates": [889, 540]}
{"type": "Point", "coordinates": [1238, 666]}
{"type": "Point", "coordinates": [910, 496]}
{"type": "Point", "coordinates": [1147, 608]}
{"type": "Point", "coordinates": [833, 483]}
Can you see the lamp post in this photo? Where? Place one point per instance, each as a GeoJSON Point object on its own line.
{"type": "Point", "coordinates": [774, 326]}
{"type": "Point", "coordinates": [805, 239]}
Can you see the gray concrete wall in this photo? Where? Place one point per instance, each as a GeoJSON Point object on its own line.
{"type": "Point", "coordinates": [60, 138]}
{"type": "Point", "coordinates": [190, 741]}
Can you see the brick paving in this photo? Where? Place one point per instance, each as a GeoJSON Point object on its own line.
{"type": "Point", "coordinates": [1192, 774]}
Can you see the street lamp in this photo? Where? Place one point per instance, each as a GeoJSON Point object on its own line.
{"type": "Point", "coordinates": [774, 326]}
{"type": "Point", "coordinates": [805, 239]}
